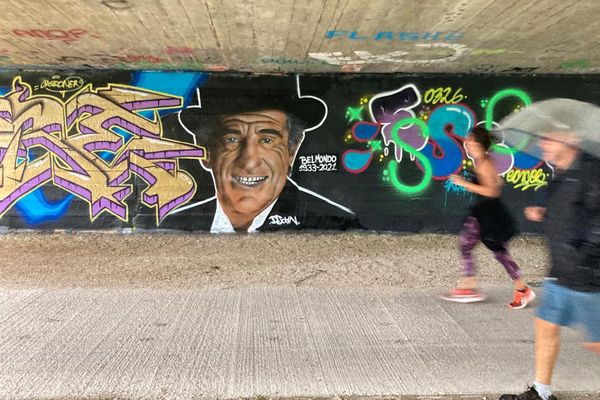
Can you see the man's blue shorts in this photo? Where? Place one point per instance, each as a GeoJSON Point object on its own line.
{"type": "Point", "coordinates": [567, 307]}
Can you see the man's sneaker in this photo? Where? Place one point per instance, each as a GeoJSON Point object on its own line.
{"type": "Point", "coordinates": [530, 394]}
{"type": "Point", "coordinates": [463, 295]}
{"type": "Point", "coordinates": [522, 299]}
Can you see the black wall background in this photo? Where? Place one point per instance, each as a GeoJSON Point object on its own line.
{"type": "Point", "coordinates": [377, 203]}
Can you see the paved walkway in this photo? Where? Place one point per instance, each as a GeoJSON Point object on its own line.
{"type": "Point", "coordinates": [269, 340]}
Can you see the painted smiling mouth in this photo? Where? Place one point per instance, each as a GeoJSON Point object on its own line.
{"type": "Point", "coordinates": [249, 180]}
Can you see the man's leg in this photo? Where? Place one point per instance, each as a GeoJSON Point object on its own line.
{"type": "Point", "coordinates": [589, 316]}
{"type": "Point", "coordinates": [595, 347]}
{"type": "Point", "coordinates": [547, 337]}
{"type": "Point", "coordinates": [552, 313]}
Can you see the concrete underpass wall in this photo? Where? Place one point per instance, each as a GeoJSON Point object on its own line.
{"type": "Point", "coordinates": [145, 150]}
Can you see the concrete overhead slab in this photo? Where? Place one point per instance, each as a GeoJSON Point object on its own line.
{"type": "Point", "coordinates": [453, 36]}
{"type": "Point", "coordinates": [279, 341]}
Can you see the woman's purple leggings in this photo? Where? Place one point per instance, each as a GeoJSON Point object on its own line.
{"type": "Point", "coordinates": [469, 237]}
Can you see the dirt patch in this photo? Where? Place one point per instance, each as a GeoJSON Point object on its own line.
{"type": "Point", "coordinates": [196, 260]}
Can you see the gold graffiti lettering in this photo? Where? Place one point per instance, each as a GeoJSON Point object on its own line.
{"type": "Point", "coordinates": [90, 145]}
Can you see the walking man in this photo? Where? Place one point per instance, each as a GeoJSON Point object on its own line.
{"type": "Point", "coordinates": [571, 217]}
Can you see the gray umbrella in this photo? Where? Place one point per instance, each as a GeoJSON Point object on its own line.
{"type": "Point", "coordinates": [549, 118]}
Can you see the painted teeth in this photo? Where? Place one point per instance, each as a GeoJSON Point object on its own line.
{"type": "Point", "coordinates": [250, 180]}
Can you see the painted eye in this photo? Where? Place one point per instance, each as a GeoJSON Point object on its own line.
{"type": "Point", "coordinates": [231, 140]}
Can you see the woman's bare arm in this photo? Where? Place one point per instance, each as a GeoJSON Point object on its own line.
{"type": "Point", "coordinates": [489, 184]}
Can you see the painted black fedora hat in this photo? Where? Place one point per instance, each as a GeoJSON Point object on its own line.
{"type": "Point", "coordinates": [233, 94]}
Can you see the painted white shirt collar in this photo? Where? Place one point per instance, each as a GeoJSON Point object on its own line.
{"type": "Point", "coordinates": [221, 223]}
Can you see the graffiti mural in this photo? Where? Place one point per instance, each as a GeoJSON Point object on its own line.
{"type": "Point", "coordinates": [90, 145]}
{"type": "Point", "coordinates": [245, 153]}
{"type": "Point", "coordinates": [436, 137]}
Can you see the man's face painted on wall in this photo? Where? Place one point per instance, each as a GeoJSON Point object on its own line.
{"type": "Point", "coordinates": [250, 160]}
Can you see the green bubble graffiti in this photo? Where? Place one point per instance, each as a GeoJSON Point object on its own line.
{"type": "Point", "coordinates": [392, 168]}
{"type": "Point", "coordinates": [489, 115]}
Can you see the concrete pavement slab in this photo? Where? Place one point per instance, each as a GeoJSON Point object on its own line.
{"type": "Point", "coordinates": [282, 341]}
